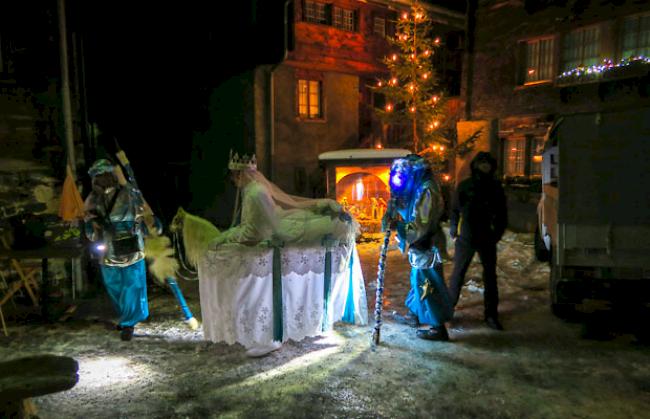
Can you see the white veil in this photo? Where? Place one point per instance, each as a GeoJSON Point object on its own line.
{"type": "Point", "coordinates": [297, 219]}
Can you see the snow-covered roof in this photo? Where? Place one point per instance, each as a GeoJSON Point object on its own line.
{"type": "Point", "coordinates": [364, 154]}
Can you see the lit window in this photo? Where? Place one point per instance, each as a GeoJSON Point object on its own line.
{"type": "Point", "coordinates": [536, 150]}
{"type": "Point", "coordinates": [344, 19]}
{"type": "Point", "coordinates": [309, 99]}
{"type": "Point", "coordinates": [581, 48]}
{"type": "Point", "coordinates": [379, 26]}
{"type": "Point", "coordinates": [635, 36]}
{"type": "Point", "coordinates": [514, 155]}
{"type": "Point", "coordinates": [315, 12]}
{"type": "Point", "coordinates": [539, 60]}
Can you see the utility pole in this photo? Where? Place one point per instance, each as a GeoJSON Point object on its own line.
{"type": "Point", "coordinates": [65, 89]}
{"type": "Point", "coordinates": [77, 275]}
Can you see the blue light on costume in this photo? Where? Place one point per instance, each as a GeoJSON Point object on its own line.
{"type": "Point", "coordinates": [396, 182]}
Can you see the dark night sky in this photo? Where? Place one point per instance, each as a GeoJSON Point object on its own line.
{"type": "Point", "coordinates": [151, 69]}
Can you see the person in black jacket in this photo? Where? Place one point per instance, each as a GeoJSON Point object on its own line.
{"type": "Point", "coordinates": [479, 217]}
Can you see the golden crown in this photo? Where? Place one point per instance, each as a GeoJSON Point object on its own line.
{"type": "Point", "coordinates": [242, 163]}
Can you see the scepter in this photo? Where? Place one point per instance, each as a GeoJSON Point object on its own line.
{"type": "Point", "coordinates": [381, 269]}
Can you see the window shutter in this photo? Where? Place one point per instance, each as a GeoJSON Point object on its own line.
{"type": "Point", "coordinates": [328, 14]}
{"type": "Point", "coordinates": [520, 73]}
{"type": "Point", "coordinates": [356, 21]}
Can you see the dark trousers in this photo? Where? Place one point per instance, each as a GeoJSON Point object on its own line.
{"type": "Point", "coordinates": [462, 258]}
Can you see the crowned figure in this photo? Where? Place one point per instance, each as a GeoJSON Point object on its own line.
{"type": "Point", "coordinates": [264, 212]}
{"type": "Point", "coordinates": [286, 263]}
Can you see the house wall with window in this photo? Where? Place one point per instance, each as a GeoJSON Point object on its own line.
{"type": "Point", "coordinates": [522, 47]}
{"type": "Point", "coordinates": [315, 112]}
{"type": "Point", "coordinates": [318, 88]}
{"type": "Point", "coordinates": [535, 60]}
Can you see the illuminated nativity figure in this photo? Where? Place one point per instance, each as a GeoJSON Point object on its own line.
{"type": "Point", "coordinates": [287, 269]}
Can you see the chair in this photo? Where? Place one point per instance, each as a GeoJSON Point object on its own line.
{"type": "Point", "coordinates": [27, 280]}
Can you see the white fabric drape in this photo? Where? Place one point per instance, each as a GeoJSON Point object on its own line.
{"type": "Point", "coordinates": [268, 212]}
{"type": "Point", "coordinates": [236, 290]}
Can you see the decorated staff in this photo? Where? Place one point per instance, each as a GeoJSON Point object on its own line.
{"type": "Point", "coordinates": [379, 296]}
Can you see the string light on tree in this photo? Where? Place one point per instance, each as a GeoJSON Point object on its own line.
{"type": "Point", "coordinates": [412, 82]}
{"type": "Point", "coordinates": [414, 98]}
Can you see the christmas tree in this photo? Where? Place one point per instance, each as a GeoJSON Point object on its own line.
{"type": "Point", "coordinates": [413, 97]}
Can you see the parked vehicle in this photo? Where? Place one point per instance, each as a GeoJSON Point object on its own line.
{"type": "Point", "coordinates": [594, 213]}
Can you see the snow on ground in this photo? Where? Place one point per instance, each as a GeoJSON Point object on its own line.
{"type": "Point", "coordinates": [539, 367]}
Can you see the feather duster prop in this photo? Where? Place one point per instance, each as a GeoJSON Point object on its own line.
{"type": "Point", "coordinates": [197, 235]}
{"type": "Point", "coordinates": [160, 254]}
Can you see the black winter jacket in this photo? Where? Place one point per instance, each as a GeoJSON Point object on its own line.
{"type": "Point", "coordinates": [479, 214]}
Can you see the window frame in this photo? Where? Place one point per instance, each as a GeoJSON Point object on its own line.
{"type": "Point", "coordinates": [307, 117]}
{"type": "Point", "coordinates": [525, 67]}
{"type": "Point", "coordinates": [344, 21]}
{"type": "Point", "coordinates": [521, 156]}
{"type": "Point", "coordinates": [598, 42]}
{"type": "Point", "coordinates": [621, 35]}
{"type": "Point", "coordinates": [327, 14]}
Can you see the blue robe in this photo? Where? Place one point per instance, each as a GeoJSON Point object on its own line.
{"type": "Point", "coordinates": [420, 220]}
{"type": "Point", "coordinates": [113, 214]}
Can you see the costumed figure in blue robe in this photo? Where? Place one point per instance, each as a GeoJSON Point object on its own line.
{"type": "Point", "coordinates": [114, 222]}
{"type": "Point", "coordinates": [414, 210]}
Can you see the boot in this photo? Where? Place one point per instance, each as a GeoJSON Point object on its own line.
{"type": "Point", "coordinates": [126, 334]}
{"type": "Point", "coordinates": [493, 323]}
{"type": "Point", "coordinates": [435, 333]}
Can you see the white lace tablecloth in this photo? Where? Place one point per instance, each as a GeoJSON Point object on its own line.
{"type": "Point", "coordinates": [236, 291]}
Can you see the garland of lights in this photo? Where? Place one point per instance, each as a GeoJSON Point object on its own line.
{"type": "Point", "coordinates": [598, 71]}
